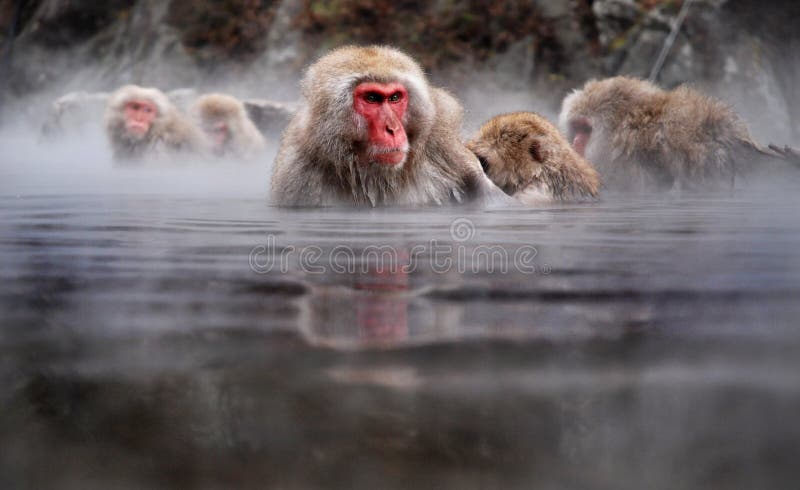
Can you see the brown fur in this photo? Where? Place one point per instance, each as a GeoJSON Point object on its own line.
{"type": "Point", "coordinates": [171, 132]}
{"type": "Point", "coordinates": [246, 141]}
{"type": "Point", "coordinates": [317, 162]}
{"type": "Point", "coordinates": [528, 158]}
{"type": "Point", "coordinates": [646, 137]}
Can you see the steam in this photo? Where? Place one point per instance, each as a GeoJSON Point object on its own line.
{"type": "Point", "coordinates": [80, 163]}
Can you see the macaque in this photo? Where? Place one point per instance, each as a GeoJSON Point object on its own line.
{"type": "Point", "coordinates": [371, 131]}
{"type": "Point", "coordinates": [228, 129]}
{"type": "Point", "coordinates": [530, 160]}
{"type": "Point", "coordinates": [641, 137]}
{"type": "Point", "coordinates": [143, 123]}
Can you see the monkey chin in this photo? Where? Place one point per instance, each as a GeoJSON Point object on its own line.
{"type": "Point", "coordinates": [136, 132]}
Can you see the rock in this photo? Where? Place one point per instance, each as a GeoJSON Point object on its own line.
{"type": "Point", "coordinates": [75, 113]}
{"type": "Point", "coordinates": [269, 117]}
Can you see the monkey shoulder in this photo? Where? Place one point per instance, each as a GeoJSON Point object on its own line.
{"type": "Point", "coordinates": [179, 133]}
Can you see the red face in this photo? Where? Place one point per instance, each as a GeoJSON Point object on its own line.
{"type": "Point", "coordinates": [139, 116]}
{"type": "Point", "coordinates": [580, 131]}
{"type": "Point", "coordinates": [383, 106]}
{"type": "Point", "coordinates": [219, 133]}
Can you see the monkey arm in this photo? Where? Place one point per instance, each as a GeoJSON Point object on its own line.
{"type": "Point", "coordinates": [787, 154]}
{"type": "Point", "coordinates": [477, 185]}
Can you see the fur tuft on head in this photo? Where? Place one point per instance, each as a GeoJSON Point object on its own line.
{"type": "Point", "coordinates": [218, 106]}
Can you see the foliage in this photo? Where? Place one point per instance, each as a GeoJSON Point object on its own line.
{"type": "Point", "coordinates": [437, 33]}
{"type": "Point", "coordinates": [214, 29]}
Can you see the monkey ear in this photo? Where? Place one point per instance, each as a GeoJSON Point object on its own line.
{"type": "Point", "coordinates": [535, 150]}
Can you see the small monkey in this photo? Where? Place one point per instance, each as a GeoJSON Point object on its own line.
{"type": "Point", "coordinates": [639, 136]}
{"type": "Point", "coordinates": [143, 123]}
{"type": "Point", "coordinates": [530, 160]}
{"type": "Point", "coordinates": [371, 131]}
{"type": "Point", "coordinates": [228, 128]}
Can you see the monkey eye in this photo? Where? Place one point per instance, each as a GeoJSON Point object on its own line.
{"type": "Point", "coordinates": [581, 125]}
{"type": "Point", "coordinates": [395, 97]}
{"type": "Point", "coordinates": [373, 97]}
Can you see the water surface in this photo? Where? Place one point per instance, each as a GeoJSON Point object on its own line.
{"type": "Point", "coordinates": [152, 337]}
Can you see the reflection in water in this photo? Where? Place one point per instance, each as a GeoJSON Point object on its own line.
{"type": "Point", "coordinates": [658, 349]}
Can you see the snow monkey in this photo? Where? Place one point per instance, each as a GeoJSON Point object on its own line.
{"type": "Point", "coordinates": [228, 128]}
{"type": "Point", "coordinates": [530, 160]}
{"type": "Point", "coordinates": [371, 131]}
{"type": "Point", "coordinates": [143, 123]}
{"type": "Point", "coordinates": [642, 137]}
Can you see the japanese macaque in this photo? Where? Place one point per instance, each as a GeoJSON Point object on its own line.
{"type": "Point", "coordinates": [641, 137]}
{"type": "Point", "coordinates": [143, 123]}
{"type": "Point", "coordinates": [530, 160]}
{"type": "Point", "coordinates": [371, 131]}
{"type": "Point", "coordinates": [228, 128]}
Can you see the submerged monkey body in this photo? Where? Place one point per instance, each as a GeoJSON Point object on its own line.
{"type": "Point", "coordinates": [328, 152]}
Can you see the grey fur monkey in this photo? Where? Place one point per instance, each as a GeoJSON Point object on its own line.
{"type": "Point", "coordinates": [526, 156]}
{"type": "Point", "coordinates": [642, 137]}
{"type": "Point", "coordinates": [371, 131]}
{"type": "Point", "coordinates": [227, 126]}
{"type": "Point", "coordinates": [142, 123]}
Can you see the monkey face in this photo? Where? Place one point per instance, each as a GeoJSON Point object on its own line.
{"type": "Point", "coordinates": [219, 133]}
{"type": "Point", "coordinates": [139, 117]}
{"type": "Point", "coordinates": [579, 134]}
{"type": "Point", "coordinates": [383, 107]}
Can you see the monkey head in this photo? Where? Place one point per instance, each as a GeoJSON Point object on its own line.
{"type": "Point", "coordinates": [221, 118]}
{"type": "Point", "coordinates": [523, 153]}
{"type": "Point", "coordinates": [509, 150]}
{"type": "Point", "coordinates": [592, 116]}
{"type": "Point", "coordinates": [139, 116]}
{"type": "Point", "coordinates": [373, 104]}
{"type": "Point", "coordinates": [134, 113]}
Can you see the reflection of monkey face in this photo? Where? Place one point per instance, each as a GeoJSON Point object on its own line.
{"type": "Point", "coordinates": [383, 107]}
{"type": "Point", "coordinates": [139, 117]}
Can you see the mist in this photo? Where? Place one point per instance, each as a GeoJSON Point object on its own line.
{"type": "Point", "coordinates": [163, 324]}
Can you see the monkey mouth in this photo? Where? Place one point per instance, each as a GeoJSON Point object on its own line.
{"type": "Point", "coordinates": [137, 128]}
{"type": "Point", "coordinates": [389, 156]}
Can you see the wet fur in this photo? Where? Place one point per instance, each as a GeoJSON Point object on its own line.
{"type": "Point", "coordinates": [644, 137]}
{"type": "Point", "coordinates": [246, 141]}
{"type": "Point", "coordinates": [317, 162]}
{"type": "Point", "coordinates": [529, 159]}
{"type": "Point", "coordinates": [170, 133]}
